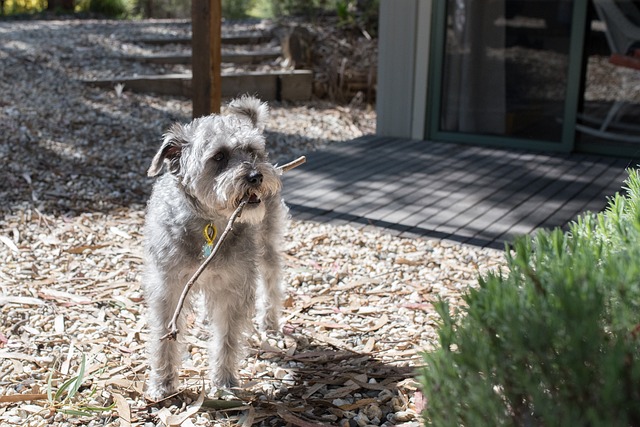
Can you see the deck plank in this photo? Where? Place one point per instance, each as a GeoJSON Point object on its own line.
{"type": "Point", "coordinates": [532, 213]}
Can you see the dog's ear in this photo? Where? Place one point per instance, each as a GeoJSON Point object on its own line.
{"type": "Point", "coordinates": [170, 151]}
{"type": "Point", "coordinates": [252, 108]}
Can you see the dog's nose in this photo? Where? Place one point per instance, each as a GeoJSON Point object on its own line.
{"type": "Point", "coordinates": [254, 177]}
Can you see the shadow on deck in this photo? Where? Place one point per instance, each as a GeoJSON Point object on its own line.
{"type": "Point", "coordinates": [476, 195]}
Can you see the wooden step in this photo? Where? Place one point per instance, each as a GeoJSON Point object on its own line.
{"type": "Point", "coordinates": [234, 57]}
{"type": "Point", "coordinates": [293, 85]}
{"type": "Point", "coordinates": [247, 38]}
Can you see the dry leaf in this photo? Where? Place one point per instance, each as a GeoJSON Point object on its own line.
{"type": "Point", "coordinates": [420, 402]}
{"type": "Point", "coordinates": [369, 346]}
{"type": "Point", "coordinates": [359, 404]}
{"type": "Point", "coordinates": [18, 368]}
{"type": "Point", "coordinates": [342, 391]}
{"type": "Point", "coordinates": [292, 419]}
{"type": "Point", "coordinates": [22, 397]}
{"type": "Point", "coordinates": [123, 409]}
{"type": "Point", "coordinates": [80, 249]}
{"type": "Point", "coordinates": [407, 261]}
{"type": "Point", "coordinates": [249, 417]}
{"type": "Point", "coordinates": [25, 357]}
{"type": "Point", "coordinates": [50, 240]}
{"type": "Point", "coordinates": [56, 295]}
{"type": "Point", "coordinates": [58, 324]}
{"type": "Point", "coordinates": [288, 302]}
{"type": "Point", "coordinates": [179, 419]}
{"type": "Point", "coordinates": [32, 409]}
{"type": "Point", "coordinates": [311, 390]}
{"type": "Point", "coordinates": [382, 321]}
{"type": "Point", "coordinates": [418, 306]}
{"type": "Point", "coordinates": [327, 325]}
{"type": "Point", "coordinates": [328, 340]}
{"type": "Point", "coordinates": [66, 365]}
{"type": "Point", "coordinates": [163, 415]}
{"type": "Point", "coordinates": [118, 232]}
{"type": "Point", "coordinates": [20, 300]}
{"type": "Point", "coordinates": [9, 243]}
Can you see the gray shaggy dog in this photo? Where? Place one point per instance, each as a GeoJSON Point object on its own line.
{"type": "Point", "coordinates": [212, 163]}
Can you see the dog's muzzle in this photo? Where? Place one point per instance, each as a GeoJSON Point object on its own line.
{"type": "Point", "coordinates": [254, 179]}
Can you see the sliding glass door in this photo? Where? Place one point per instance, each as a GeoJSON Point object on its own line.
{"type": "Point", "coordinates": [609, 114]}
{"type": "Point", "coordinates": [506, 72]}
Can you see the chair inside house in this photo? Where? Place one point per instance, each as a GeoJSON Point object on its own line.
{"type": "Point", "coordinates": [622, 20]}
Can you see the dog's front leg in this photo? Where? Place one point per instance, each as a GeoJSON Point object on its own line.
{"type": "Point", "coordinates": [271, 294]}
{"type": "Point", "coordinates": [271, 291]}
{"type": "Point", "coordinates": [230, 310]}
{"type": "Point", "coordinates": [164, 355]}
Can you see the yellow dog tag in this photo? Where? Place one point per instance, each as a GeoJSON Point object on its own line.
{"type": "Point", "coordinates": [210, 232]}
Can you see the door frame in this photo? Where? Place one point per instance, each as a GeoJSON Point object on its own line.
{"type": "Point", "coordinates": [575, 76]}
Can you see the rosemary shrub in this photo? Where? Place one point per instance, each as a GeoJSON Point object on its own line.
{"type": "Point", "coordinates": [553, 341]}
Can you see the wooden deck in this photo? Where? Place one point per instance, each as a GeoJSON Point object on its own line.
{"type": "Point", "coordinates": [476, 195]}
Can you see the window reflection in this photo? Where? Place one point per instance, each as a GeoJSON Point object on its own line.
{"type": "Point", "coordinates": [505, 68]}
{"type": "Point", "coordinates": [610, 112]}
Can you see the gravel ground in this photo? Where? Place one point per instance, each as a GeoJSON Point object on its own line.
{"type": "Point", "coordinates": [73, 191]}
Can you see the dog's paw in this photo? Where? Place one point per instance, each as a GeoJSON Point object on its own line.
{"type": "Point", "coordinates": [225, 380]}
{"type": "Point", "coordinates": [270, 323]}
{"type": "Point", "coordinates": [158, 389]}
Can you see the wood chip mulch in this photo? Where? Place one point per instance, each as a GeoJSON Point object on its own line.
{"type": "Point", "coordinates": [72, 316]}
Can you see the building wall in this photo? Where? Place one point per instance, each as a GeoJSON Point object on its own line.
{"type": "Point", "coordinates": [403, 61]}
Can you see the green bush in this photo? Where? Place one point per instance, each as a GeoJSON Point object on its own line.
{"type": "Point", "coordinates": [236, 9]}
{"type": "Point", "coordinates": [109, 8]}
{"type": "Point", "coordinates": [305, 8]}
{"type": "Point", "coordinates": [552, 342]}
{"type": "Point", "coordinates": [231, 9]}
{"type": "Point", "coordinates": [362, 14]}
{"type": "Point", "coordinates": [15, 7]}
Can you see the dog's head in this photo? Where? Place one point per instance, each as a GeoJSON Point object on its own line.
{"type": "Point", "coordinates": [220, 159]}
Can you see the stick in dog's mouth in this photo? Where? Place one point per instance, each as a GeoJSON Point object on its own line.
{"type": "Point", "coordinates": [252, 198]}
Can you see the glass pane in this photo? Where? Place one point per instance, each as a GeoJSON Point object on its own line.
{"type": "Point", "coordinates": [609, 120]}
{"type": "Point", "coordinates": [505, 68]}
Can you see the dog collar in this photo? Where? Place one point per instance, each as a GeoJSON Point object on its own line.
{"type": "Point", "coordinates": [210, 233]}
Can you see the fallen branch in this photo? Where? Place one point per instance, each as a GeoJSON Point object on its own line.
{"type": "Point", "coordinates": [173, 324]}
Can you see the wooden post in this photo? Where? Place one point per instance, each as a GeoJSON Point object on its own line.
{"type": "Point", "coordinates": [206, 54]}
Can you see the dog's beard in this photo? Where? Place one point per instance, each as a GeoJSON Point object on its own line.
{"type": "Point", "coordinates": [253, 214]}
{"type": "Point", "coordinates": [231, 188]}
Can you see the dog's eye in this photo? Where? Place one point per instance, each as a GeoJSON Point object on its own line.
{"type": "Point", "coordinates": [218, 157]}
